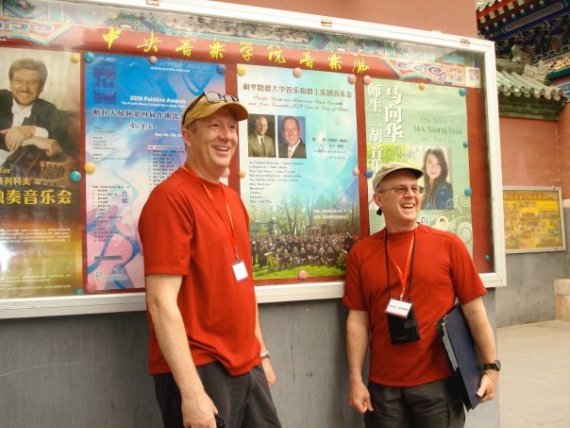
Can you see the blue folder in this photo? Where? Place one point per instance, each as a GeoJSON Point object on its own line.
{"type": "Point", "coordinates": [462, 356]}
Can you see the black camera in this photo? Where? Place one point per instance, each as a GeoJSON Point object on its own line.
{"type": "Point", "coordinates": [403, 330]}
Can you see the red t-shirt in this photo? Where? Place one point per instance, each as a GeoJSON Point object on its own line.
{"type": "Point", "coordinates": [186, 232]}
{"type": "Point", "coordinates": [441, 270]}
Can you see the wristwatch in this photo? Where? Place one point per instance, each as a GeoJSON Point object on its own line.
{"type": "Point", "coordinates": [264, 354]}
{"type": "Point", "coordinates": [495, 365]}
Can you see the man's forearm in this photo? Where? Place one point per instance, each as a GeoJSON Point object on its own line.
{"type": "Point", "coordinates": [174, 346]}
{"type": "Point", "coordinates": [258, 333]}
{"type": "Point", "coordinates": [481, 330]}
{"type": "Point", "coordinates": [357, 336]}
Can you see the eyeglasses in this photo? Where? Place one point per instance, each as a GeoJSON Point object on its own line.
{"type": "Point", "coordinates": [402, 190]}
{"type": "Point", "coordinates": [212, 98]}
{"type": "Point", "coordinates": [30, 83]}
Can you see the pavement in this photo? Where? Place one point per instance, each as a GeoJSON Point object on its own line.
{"type": "Point", "coordinates": [534, 387]}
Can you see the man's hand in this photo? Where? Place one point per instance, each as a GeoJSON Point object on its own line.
{"type": "Point", "coordinates": [268, 369]}
{"type": "Point", "coordinates": [14, 137]}
{"type": "Point", "coordinates": [359, 397]}
{"type": "Point", "coordinates": [198, 411]}
{"type": "Point", "coordinates": [49, 145]}
{"type": "Point", "coordinates": [20, 136]}
{"type": "Point", "coordinates": [488, 385]}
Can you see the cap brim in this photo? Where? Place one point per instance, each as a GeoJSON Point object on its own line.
{"type": "Point", "coordinates": [207, 109]}
{"type": "Point", "coordinates": [377, 180]}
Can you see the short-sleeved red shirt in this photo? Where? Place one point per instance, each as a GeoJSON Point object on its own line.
{"type": "Point", "coordinates": [442, 269]}
{"type": "Point", "coordinates": [186, 232]}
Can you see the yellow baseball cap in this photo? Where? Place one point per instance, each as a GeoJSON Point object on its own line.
{"type": "Point", "coordinates": [210, 102]}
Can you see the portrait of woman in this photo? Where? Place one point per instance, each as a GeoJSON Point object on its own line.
{"type": "Point", "coordinates": [438, 192]}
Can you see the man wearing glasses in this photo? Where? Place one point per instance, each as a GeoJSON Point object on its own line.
{"type": "Point", "coordinates": [206, 351]}
{"type": "Point", "coordinates": [399, 282]}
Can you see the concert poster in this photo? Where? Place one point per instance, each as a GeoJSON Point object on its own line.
{"type": "Point", "coordinates": [40, 189]}
{"type": "Point", "coordinates": [418, 124]}
{"type": "Point", "coordinates": [303, 205]}
{"type": "Point", "coordinates": [133, 110]}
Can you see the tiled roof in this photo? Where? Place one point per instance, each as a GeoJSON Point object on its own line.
{"type": "Point", "coordinates": [512, 83]}
{"type": "Point", "coordinates": [512, 80]}
{"type": "Point", "coordinates": [524, 92]}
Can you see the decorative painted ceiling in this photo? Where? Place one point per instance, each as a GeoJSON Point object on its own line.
{"type": "Point", "coordinates": [540, 28]}
{"type": "Point", "coordinates": [535, 33]}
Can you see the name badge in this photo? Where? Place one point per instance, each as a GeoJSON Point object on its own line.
{"type": "Point", "coordinates": [240, 271]}
{"type": "Point", "coordinates": [398, 308]}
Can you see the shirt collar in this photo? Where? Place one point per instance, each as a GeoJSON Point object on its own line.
{"type": "Point", "coordinates": [20, 109]}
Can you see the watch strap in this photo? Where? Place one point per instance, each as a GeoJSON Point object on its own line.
{"type": "Point", "coordinates": [495, 365]}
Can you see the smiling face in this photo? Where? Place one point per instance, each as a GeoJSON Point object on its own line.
{"type": "Point", "coordinates": [433, 167]}
{"type": "Point", "coordinates": [211, 143]}
{"type": "Point", "coordinates": [400, 211]}
{"type": "Point", "coordinates": [261, 126]}
{"type": "Point", "coordinates": [291, 131]}
{"type": "Point", "coordinates": [25, 86]}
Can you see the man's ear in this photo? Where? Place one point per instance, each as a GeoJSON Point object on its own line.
{"type": "Point", "coordinates": [377, 199]}
{"type": "Point", "coordinates": [187, 136]}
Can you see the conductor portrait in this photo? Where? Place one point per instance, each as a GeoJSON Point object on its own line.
{"type": "Point", "coordinates": [259, 144]}
{"type": "Point", "coordinates": [25, 118]}
{"type": "Point", "coordinates": [293, 146]}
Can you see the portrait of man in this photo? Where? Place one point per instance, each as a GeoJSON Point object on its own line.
{"type": "Point", "coordinates": [259, 142]}
{"type": "Point", "coordinates": [25, 118]}
{"type": "Point", "coordinates": [292, 145]}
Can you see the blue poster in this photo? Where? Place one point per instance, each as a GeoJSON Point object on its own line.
{"type": "Point", "coordinates": [133, 109]}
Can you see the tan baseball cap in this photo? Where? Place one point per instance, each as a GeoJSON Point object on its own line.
{"type": "Point", "coordinates": [387, 169]}
{"type": "Point", "coordinates": [209, 103]}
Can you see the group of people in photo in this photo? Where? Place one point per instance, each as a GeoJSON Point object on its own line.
{"type": "Point", "coordinates": [281, 251]}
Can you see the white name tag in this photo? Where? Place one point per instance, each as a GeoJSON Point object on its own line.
{"type": "Point", "coordinates": [240, 271]}
{"type": "Point", "coordinates": [398, 308]}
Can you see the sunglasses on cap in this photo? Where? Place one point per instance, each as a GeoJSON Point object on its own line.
{"type": "Point", "coordinates": [212, 98]}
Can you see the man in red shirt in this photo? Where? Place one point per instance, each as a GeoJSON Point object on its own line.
{"type": "Point", "coordinates": [399, 282]}
{"type": "Point", "coordinates": [206, 351]}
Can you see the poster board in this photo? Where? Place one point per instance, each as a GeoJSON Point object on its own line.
{"type": "Point", "coordinates": [120, 76]}
{"type": "Point", "coordinates": [534, 219]}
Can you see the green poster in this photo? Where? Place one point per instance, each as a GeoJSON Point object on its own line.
{"type": "Point", "coordinates": [425, 126]}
